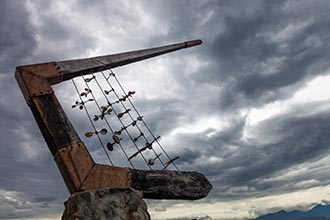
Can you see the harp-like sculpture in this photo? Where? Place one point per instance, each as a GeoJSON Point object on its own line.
{"type": "Point", "coordinates": [74, 161]}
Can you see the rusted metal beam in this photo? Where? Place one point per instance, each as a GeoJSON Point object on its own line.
{"type": "Point", "coordinates": [75, 164]}
{"type": "Point", "coordinates": [56, 72]}
{"type": "Point", "coordinates": [105, 176]}
{"type": "Point", "coordinates": [81, 174]}
{"type": "Point", "coordinates": [53, 122]}
{"type": "Point", "coordinates": [71, 68]}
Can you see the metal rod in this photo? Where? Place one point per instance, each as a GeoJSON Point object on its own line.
{"type": "Point", "coordinates": [73, 68]}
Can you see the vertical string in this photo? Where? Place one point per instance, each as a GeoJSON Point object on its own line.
{"type": "Point", "coordinates": [158, 143]}
{"type": "Point", "coordinates": [130, 136]}
{"type": "Point", "coordinates": [137, 126]}
{"type": "Point", "coordinates": [134, 123]}
{"type": "Point", "coordinates": [105, 119]}
{"type": "Point", "coordinates": [89, 117]}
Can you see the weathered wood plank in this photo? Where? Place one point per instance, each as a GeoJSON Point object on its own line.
{"type": "Point", "coordinates": [53, 122]}
{"type": "Point", "coordinates": [171, 184]}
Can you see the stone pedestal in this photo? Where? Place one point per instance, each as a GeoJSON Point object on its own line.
{"type": "Point", "coordinates": [106, 204]}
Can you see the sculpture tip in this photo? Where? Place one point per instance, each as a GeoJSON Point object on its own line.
{"type": "Point", "coordinates": [193, 43]}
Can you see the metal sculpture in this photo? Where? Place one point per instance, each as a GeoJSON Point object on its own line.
{"type": "Point", "coordinates": [75, 163]}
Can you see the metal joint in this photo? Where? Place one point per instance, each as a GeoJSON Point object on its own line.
{"type": "Point", "coordinates": [32, 84]}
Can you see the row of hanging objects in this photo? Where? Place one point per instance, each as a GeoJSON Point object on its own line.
{"type": "Point", "coordinates": [116, 134]}
{"type": "Point", "coordinates": [116, 140]}
{"type": "Point", "coordinates": [81, 104]}
{"type": "Point", "coordinates": [103, 131]}
{"type": "Point", "coordinates": [86, 92]}
{"type": "Point", "coordinates": [109, 110]}
{"type": "Point", "coordinates": [147, 146]}
{"type": "Point", "coordinates": [133, 123]}
{"type": "Point", "coordinates": [105, 110]}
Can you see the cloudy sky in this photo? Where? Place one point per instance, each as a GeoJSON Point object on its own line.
{"type": "Point", "coordinates": [249, 107]}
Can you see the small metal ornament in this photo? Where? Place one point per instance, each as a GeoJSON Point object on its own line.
{"type": "Point", "coordinates": [105, 110]}
{"type": "Point", "coordinates": [90, 79]}
{"type": "Point", "coordinates": [147, 146]}
{"type": "Point", "coordinates": [81, 104]}
{"type": "Point", "coordinates": [140, 135]}
{"type": "Point", "coordinates": [86, 92]}
{"type": "Point", "coordinates": [116, 140]}
{"type": "Point", "coordinates": [151, 162]}
{"type": "Point", "coordinates": [103, 131]}
{"type": "Point", "coordinates": [107, 92]}
{"type": "Point", "coordinates": [110, 74]}
{"type": "Point", "coordinates": [120, 115]}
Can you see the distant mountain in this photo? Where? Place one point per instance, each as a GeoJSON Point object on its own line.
{"type": "Point", "coordinates": [319, 212]}
{"type": "Point", "coordinates": [315, 218]}
{"type": "Point", "coordinates": [197, 218]}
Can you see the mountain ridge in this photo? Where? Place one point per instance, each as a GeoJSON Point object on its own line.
{"type": "Point", "coordinates": [318, 212]}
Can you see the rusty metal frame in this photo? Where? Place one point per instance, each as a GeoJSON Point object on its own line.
{"type": "Point", "coordinates": [77, 167]}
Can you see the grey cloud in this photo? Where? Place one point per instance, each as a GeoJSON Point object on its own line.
{"type": "Point", "coordinates": [18, 41]}
{"type": "Point", "coordinates": [13, 205]}
{"type": "Point", "coordinates": [188, 156]}
{"type": "Point", "coordinates": [253, 53]}
{"type": "Point", "coordinates": [59, 37]}
{"type": "Point", "coordinates": [26, 165]}
{"type": "Point", "coordinates": [238, 52]}
{"type": "Point", "coordinates": [167, 119]}
{"type": "Point", "coordinates": [244, 164]}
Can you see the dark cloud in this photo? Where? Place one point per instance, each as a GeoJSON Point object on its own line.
{"type": "Point", "coordinates": [18, 39]}
{"type": "Point", "coordinates": [243, 55]}
{"type": "Point", "coordinates": [58, 35]}
{"type": "Point", "coordinates": [254, 53]}
{"type": "Point", "coordinates": [27, 171]}
{"type": "Point", "coordinates": [244, 166]}
{"type": "Point", "coordinates": [165, 115]}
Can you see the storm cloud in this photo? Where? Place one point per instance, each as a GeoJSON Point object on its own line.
{"type": "Point", "coordinates": [256, 56]}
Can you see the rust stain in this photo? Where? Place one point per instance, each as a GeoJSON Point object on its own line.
{"type": "Point", "coordinates": [104, 176]}
{"type": "Point", "coordinates": [75, 164]}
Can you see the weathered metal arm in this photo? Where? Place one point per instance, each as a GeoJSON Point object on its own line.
{"type": "Point", "coordinates": [72, 68]}
{"type": "Point", "coordinates": [77, 167]}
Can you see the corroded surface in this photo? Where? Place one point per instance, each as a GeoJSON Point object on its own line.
{"type": "Point", "coordinates": [105, 176]}
{"type": "Point", "coordinates": [75, 164]}
{"type": "Point", "coordinates": [105, 204]}
{"type": "Point", "coordinates": [53, 122]}
{"type": "Point", "coordinates": [71, 68]}
{"type": "Point", "coordinates": [158, 184]}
